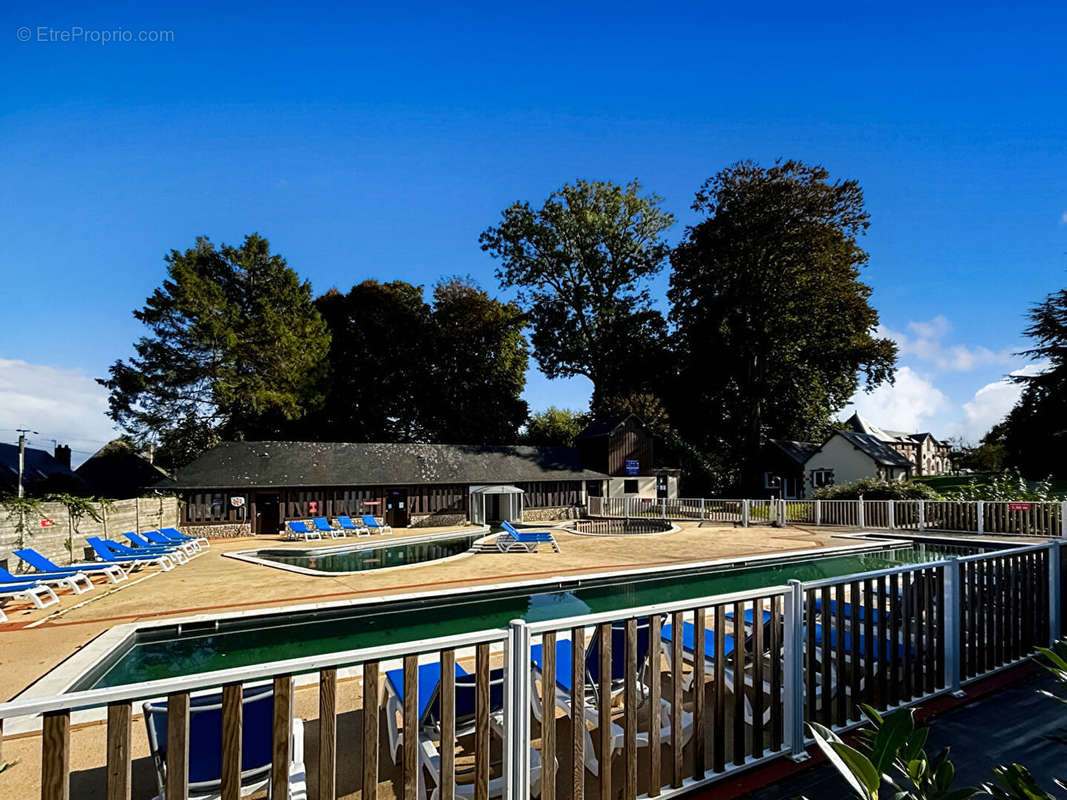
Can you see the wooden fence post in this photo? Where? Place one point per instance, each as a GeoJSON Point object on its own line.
{"type": "Point", "coordinates": [1063, 519]}
{"type": "Point", "coordinates": [818, 513]}
{"type": "Point", "coordinates": [892, 515]}
{"type": "Point", "coordinates": [981, 516]}
{"type": "Point", "coordinates": [860, 521]}
{"type": "Point", "coordinates": [744, 513]}
{"type": "Point", "coordinates": [922, 515]}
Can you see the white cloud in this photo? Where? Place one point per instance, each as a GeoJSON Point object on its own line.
{"type": "Point", "coordinates": [63, 404]}
{"type": "Point", "coordinates": [1063, 218]}
{"type": "Point", "coordinates": [925, 341]}
{"type": "Point", "coordinates": [904, 406]}
{"type": "Point", "coordinates": [990, 404]}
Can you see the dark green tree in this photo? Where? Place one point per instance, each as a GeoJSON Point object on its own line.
{"type": "Point", "coordinates": [773, 323]}
{"type": "Point", "coordinates": [554, 427]}
{"type": "Point", "coordinates": [235, 350]}
{"type": "Point", "coordinates": [581, 265]}
{"type": "Point", "coordinates": [479, 365]}
{"type": "Point", "coordinates": [1034, 434]}
{"type": "Point", "coordinates": [380, 362]}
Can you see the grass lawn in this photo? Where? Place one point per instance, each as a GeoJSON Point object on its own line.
{"type": "Point", "coordinates": [951, 483]}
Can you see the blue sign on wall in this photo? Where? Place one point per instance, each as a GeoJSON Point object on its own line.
{"type": "Point", "coordinates": [633, 467]}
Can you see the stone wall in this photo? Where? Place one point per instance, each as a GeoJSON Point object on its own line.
{"type": "Point", "coordinates": [63, 540]}
{"type": "Point", "coordinates": [438, 520]}
{"type": "Point", "coordinates": [552, 513]}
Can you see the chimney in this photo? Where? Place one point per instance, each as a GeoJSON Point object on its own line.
{"type": "Point", "coordinates": [150, 454]}
{"type": "Point", "coordinates": [63, 455]}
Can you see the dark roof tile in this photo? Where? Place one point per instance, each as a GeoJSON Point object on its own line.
{"type": "Point", "coordinates": [291, 464]}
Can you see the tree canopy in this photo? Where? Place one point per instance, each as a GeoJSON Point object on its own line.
{"type": "Point", "coordinates": [555, 427]}
{"type": "Point", "coordinates": [773, 324]}
{"type": "Point", "coordinates": [235, 349]}
{"type": "Point", "coordinates": [376, 389]}
{"type": "Point", "coordinates": [581, 264]}
{"type": "Point", "coordinates": [402, 370]}
{"type": "Point", "coordinates": [1034, 434]}
{"type": "Point", "coordinates": [478, 374]}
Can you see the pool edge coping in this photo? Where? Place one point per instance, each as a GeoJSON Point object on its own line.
{"type": "Point", "coordinates": [72, 669]}
{"type": "Point", "coordinates": [482, 531]}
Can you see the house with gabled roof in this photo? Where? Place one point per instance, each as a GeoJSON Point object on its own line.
{"type": "Point", "coordinates": [848, 456]}
{"type": "Point", "coordinates": [783, 463]}
{"type": "Point", "coordinates": [927, 454]}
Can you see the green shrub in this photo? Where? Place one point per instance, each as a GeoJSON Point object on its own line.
{"type": "Point", "coordinates": [1008, 485]}
{"type": "Point", "coordinates": [877, 489]}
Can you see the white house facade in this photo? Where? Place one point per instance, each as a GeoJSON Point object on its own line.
{"type": "Point", "coordinates": [848, 456]}
{"type": "Point", "coordinates": [927, 454]}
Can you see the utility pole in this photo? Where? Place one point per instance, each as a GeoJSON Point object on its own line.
{"type": "Point", "coordinates": [22, 455]}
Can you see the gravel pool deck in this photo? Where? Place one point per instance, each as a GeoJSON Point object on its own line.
{"type": "Point", "coordinates": [34, 642]}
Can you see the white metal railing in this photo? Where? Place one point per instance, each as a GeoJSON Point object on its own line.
{"type": "Point", "coordinates": [807, 651]}
{"type": "Point", "coordinates": [1008, 517]}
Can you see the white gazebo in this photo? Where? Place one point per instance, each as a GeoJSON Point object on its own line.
{"type": "Point", "coordinates": [495, 503]}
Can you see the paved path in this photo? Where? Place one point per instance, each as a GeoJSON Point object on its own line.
{"type": "Point", "coordinates": [1010, 725]}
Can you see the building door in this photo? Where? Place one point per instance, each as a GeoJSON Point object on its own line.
{"type": "Point", "coordinates": [396, 508]}
{"type": "Point", "coordinates": [268, 513]}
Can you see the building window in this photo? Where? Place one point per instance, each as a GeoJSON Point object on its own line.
{"type": "Point", "coordinates": [770, 480]}
{"type": "Point", "coordinates": [629, 486]}
{"type": "Point", "coordinates": [821, 478]}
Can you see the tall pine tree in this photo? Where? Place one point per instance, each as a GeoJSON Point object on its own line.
{"type": "Point", "coordinates": [235, 349]}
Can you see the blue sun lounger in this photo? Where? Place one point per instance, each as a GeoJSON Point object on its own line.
{"type": "Point", "coordinates": [190, 546]}
{"type": "Point", "coordinates": [347, 524]}
{"type": "Point", "coordinates": [141, 543]}
{"type": "Point", "coordinates": [114, 573]}
{"type": "Point", "coordinates": [176, 555]}
{"type": "Point", "coordinates": [298, 528]}
{"type": "Point", "coordinates": [108, 554]}
{"type": "Point", "coordinates": [77, 582]}
{"type": "Point", "coordinates": [206, 744]}
{"type": "Point", "coordinates": [322, 525]}
{"type": "Point", "coordinates": [527, 541]}
{"type": "Point", "coordinates": [40, 595]}
{"type": "Point", "coordinates": [591, 704]}
{"type": "Point", "coordinates": [372, 524]}
{"type": "Point", "coordinates": [429, 688]}
{"type": "Point", "coordinates": [176, 535]}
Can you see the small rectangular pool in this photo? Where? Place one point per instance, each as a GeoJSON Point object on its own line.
{"type": "Point", "coordinates": [363, 556]}
{"type": "Point", "coordinates": [166, 651]}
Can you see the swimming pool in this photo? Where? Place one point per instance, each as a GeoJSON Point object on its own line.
{"type": "Point", "coordinates": [170, 650]}
{"type": "Point", "coordinates": [363, 556]}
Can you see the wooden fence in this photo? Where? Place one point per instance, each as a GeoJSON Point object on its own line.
{"type": "Point", "coordinates": [1025, 518]}
{"type": "Point", "coordinates": [721, 682]}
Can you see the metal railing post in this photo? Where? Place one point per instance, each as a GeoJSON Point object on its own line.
{"type": "Point", "coordinates": [922, 515]}
{"type": "Point", "coordinates": [793, 658]}
{"type": "Point", "coordinates": [953, 628]}
{"type": "Point", "coordinates": [744, 513]}
{"type": "Point", "coordinates": [892, 515]}
{"type": "Point", "coordinates": [818, 513]}
{"type": "Point", "coordinates": [517, 713]}
{"type": "Point", "coordinates": [860, 519]}
{"type": "Point", "coordinates": [1054, 589]}
{"type": "Point", "coordinates": [981, 516]}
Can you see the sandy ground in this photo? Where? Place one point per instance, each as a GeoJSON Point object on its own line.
{"type": "Point", "coordinates": [35, 641]}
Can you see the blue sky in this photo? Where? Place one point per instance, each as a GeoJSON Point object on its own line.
{"type": "Point", "coordinates": [378, 143]}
